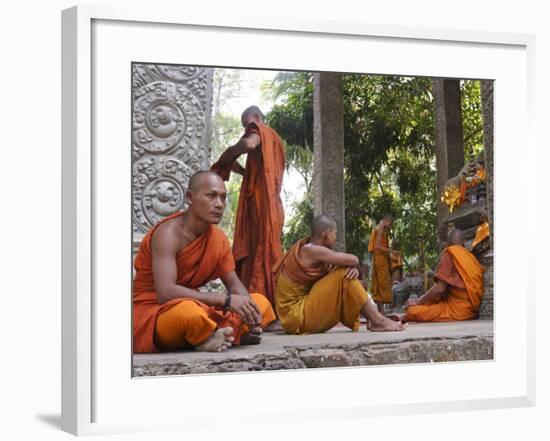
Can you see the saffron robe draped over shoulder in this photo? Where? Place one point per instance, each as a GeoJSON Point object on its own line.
{"type": "Point", "coordinates": [206, 258]}
{"type": "Point", "coordinates": [464, 277]}
{"type": "Point", "coordinates": [315, 299]}
{"type": "Point", "coordinates": [381, 276]}
{"type": "Point", "coordinates": [260, 215]}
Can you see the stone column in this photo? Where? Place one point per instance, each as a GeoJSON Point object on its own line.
{"type": "Point", "coordinates": [487, 108]}
{"type": "Point", "coordinates": [449, 144]}
{"type": "Point", "coordinates": [171, 108]}
{"type": "Point", "coordinates": [328, 146]}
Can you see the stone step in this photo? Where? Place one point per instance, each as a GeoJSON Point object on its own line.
{"type": "Point", "coordinates": [420, 343]}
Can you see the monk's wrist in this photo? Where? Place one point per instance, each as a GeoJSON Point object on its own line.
{"type": "Point", "coordinates": [221, 300]}
{"type": "Point", "coordinates": [227, 302]}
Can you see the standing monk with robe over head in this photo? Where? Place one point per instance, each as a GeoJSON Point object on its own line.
{"type": "Point", "coordinates": [381, 283]}
{"type": "Point", "coordinates": [260, 215]}
{"type": "Point", "coordinates": [458, 289]}
{"type": "Point", "coordinates": [318, 287]}
{"type": "Point", "coordinates": [177, 256]}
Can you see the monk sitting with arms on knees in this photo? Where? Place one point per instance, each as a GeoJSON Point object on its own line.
{"type": "Point", "coordinates": [458, 289]}
{"type": "Point", "coordinates": [177, 256]}
{"type": "Point", "coordinates": [318, 287]}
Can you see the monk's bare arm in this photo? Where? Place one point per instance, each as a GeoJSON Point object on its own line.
{"type": "Point", "coordinates": [240, 301]}
{"type": "Point", "coordinates": [434, 294]}
{"type": "Point", "coordinates": [234, 284]}
{"type": "Point", "coordinates": [315, 254]}
{"type": "Point", "coordinates": [378, 244]}
{"type": "Point", "coordinates": [164, 247]}
{"type": "Point", "coordinates": [245, 145]}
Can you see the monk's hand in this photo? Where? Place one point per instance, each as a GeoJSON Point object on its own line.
{"type": "Point", "coordinates": [246, 308]}
{"type": "Point", "coordinates": [351, 273]}
{"type": "Point", "coordinates": [237, 168]}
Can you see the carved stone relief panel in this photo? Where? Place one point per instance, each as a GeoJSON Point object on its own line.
{"type": "Point", "coordinates": [170, 137]}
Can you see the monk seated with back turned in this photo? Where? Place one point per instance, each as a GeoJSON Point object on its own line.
{"type": "Point", "coordinates": [458, 289]}
{"type": "Point", "coordinates": [177, 256]}
{"type": "Point", "coordinates": [318, 287]}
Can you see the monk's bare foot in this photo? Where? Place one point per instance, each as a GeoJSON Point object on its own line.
{"type": "Point", "coordinates": [253, 337]}
{"type": "Point", "coordinates": [396, 317]}
{"type": "Point", "coordinates": [385, 324]}
{"type": "Point", "coordinates": [219, 341]}
{"type": "Point", "coordinates": [275, 326]}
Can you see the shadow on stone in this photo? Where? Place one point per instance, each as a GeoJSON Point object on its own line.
{"type": "Point", "coordinates": [53, 420]}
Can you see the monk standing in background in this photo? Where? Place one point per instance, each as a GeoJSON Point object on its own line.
{"type": "Point", "coordinates": [318, 287]}
{"type": "Point", "coordinates": [381, 283]}
{"type": "Point", "coordinates": [396, 266]}
{"type": "Point", "coordinates": [458, 288]}
{"type": "Point", "coordinates": [177, 256]}
{"type": "Point", "coordinates": [260, 215]}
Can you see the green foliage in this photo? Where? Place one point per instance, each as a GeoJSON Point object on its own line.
{"type": "Point", "coordinates": [472, 123]}
{"type": "Point", "coordinates": [226, 131]}
{"type": "Point", "coordinates": [298, 226]}
{"type": "Point", "coordinates": [389, 154]}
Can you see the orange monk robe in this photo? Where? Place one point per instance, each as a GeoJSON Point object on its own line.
{"type": "Point", "coordinates": [260, 216]}
{"type": "Point", "coordinates": [479, 177]}
{"type": "Point", "coordinates": [482, 233]}
{"type": "Point", "coordinates": [381, 276]}
{"type": "Point", "coordinates": [396, 262]}
{"type": "Point", "coordinates": [464, 277]}
{"type": "Point", "coordinates": [206, 258]}
{"type": "Point", "coordinates": [315, 299]}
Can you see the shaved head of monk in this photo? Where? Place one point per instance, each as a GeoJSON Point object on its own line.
{"type": "Point", "coordinates": [252, 114]}
{"type": "Point", "coordinates": [387, 219]}
{"type": "Point", "coordinates": [324, 227]}
{"type": "Point", "coordinates": [206, 197]}
{"type": "Point", "coordinates": [456, 237]}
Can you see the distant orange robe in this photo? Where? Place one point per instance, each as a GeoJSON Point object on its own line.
{"type": "Point", "coordinates": [396, 261]}
{"type": "Point", "coordinates": [206, 258]}
{"type": "Point", "coordinates": [482, 233]}
{"type": "Point", "coordinates": [315, 299]}
{"type": "Point", "coordinates": [464, 277]}
{"type": "Point", "coordinates": [260, 215]}
{"type": "Point", "coordinates": [381, 276]}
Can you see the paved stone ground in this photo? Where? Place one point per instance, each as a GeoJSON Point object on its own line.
{"type": "Point", "coordinates": [420, 343]}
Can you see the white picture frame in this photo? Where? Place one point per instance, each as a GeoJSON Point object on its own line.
{"type": "Point", "coordinates": [97, 388]}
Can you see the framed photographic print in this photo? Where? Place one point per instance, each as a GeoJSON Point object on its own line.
{"type": "Point", "coordinates": [384, 130]}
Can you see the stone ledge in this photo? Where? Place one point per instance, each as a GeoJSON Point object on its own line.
{"type": "Point", "coordinates": [425, 343]}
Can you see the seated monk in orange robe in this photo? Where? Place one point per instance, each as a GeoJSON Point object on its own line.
{"type": "Point", "coordinates": [381, 282]}
{"type": "Point", "coordinates": [458, 288]}
{"type": "Point", "coordinates": [481, 241]}
{"type": "Point", "coordinates": [318, 287]}
{"type": "Point", "coordinates": [260, 215]}
{"type": "Point", "coordinates": [176, 257]}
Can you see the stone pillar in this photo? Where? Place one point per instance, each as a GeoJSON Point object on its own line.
{"type": "Point", "coordinates": [171, 108]}
{"type": "Point", "coordinates": [328, 147]}
{"type": "Point", "coordinates": [449, 144]}
{"type": "Point", "coordinates": [487, 108]}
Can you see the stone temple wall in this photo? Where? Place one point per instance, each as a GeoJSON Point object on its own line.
{"type": "Point", "coordinates": [171, 109]}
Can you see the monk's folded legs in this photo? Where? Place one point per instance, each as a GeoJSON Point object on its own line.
{"type": "Point", "coordinates": [190, 324]}
{"type": "Point", "coordinates": [333, 299]}
{"type": "Point", "coordinates": [185, 324]}
{"type": "Point", "coordinates": [336, 298]}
